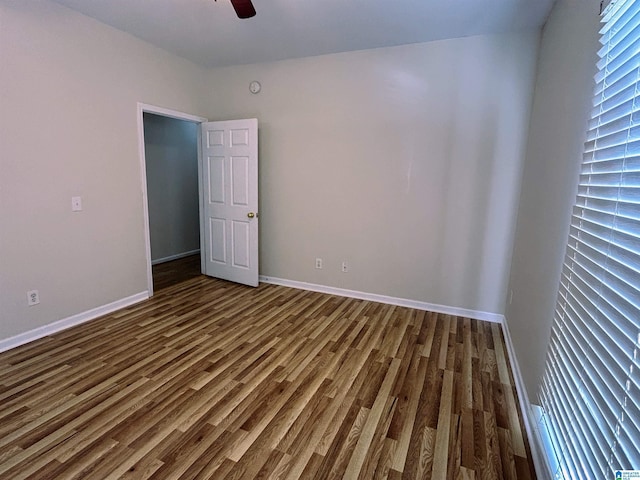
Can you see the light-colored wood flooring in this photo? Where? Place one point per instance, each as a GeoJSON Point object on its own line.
{"type": "Point", "coordinates": [210, 379]}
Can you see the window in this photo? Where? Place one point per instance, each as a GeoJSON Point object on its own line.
{"type": "Point", "coordinates": [591, 386]}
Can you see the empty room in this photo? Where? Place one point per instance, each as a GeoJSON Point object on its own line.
{"type": "Point", "coordinates": [290, 239]}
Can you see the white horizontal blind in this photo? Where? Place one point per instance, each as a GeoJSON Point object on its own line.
{"type": "Point", "coordinates": [591, 386]}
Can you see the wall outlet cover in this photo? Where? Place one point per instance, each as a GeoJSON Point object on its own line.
{"type": "Point", "coordinates": [76, 204]}
{"type": "Point", "coordinates": [33, 297]}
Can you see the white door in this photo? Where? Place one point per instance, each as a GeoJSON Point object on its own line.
{"type": "Point", "coordinates": [230, 200]}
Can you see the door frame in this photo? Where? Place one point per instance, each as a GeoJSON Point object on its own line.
{"type": "Point", "coordinates": [165, 112]}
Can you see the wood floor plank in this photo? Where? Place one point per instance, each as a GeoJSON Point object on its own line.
{"type": "Point", "coordinates": [209, 379]}
{"type": "Point", "coordinates": [441, 453]}
{"type": "Point", "coordinates": [406, 417]}
{"type": "Point", "coordinates": [376, 413]}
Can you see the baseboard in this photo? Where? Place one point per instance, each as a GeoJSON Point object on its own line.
{"type": "Point", "coordinates": [177, 256]}
{"type": "Point", "coordinates": [538, 455]}
{"type": "Point", "coordinates": [374, 297]}
{"type": "Point", "coordinates": [71, 321]}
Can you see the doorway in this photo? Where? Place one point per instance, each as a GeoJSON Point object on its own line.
{"type": "Point", "coordinates": [169, 144]}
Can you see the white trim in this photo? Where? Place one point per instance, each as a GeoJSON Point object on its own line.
{"type": "Point", "coordinates": [177, 256]}
{"type": "Point", "coordinates": [165, 112]}
{"type": "Point", "coordinates": [544, 437]}
{"type": "Point", "coordinates": [201, 198]}
{"type": "Point", "coordinates": [374, 297]}
{"type": "Point", "coordinates": [71, 321]}
{"type": "Point", "coordinates": [540, 460]}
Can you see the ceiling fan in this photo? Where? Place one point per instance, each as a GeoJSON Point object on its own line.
{"type": "Point", "coordinates": [243, 8]}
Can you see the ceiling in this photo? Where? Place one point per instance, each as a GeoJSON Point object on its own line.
{"type": "Point", "coordinates": [208, 32]}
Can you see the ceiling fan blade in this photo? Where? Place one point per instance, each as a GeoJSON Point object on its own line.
{"type": "Point", "coordinates": [243, 8]}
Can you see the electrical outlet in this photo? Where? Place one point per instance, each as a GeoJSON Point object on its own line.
{"type": "Point", "coordinates": [318, 263]}
{"type": "Point", "coordinates": [33, 298]}
{"type": "Point", "coordinates": [76, 204]}
{"type": "Point", "coordinates": [345, 267]}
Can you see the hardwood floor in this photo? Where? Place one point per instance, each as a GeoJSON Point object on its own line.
{"type": "Point", "coordinates": [171, 273]}
{"type": "Point", "coordinates": [210, 379]}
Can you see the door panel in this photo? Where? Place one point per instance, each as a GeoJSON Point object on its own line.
{"type": "Point", "coordinates": [216, 179]}
{"type": "Point", "coordinates": [241, 244]}
{"type": "Point", "coordinates": [230, 168]}
{"type": "Point", "coordinates": [218, 251]}
{"type": "Point", "coordinates": [240, 181]}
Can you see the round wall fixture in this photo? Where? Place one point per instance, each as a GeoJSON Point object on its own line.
{"type": "Point", "coordinates": [254, 87]}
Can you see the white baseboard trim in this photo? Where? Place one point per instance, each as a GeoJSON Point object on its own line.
{"type": "Point", "coordinates": [538, 455]}
{"type": "Point", "coordinates": [71, 321]}
{"type": "Point", "coordinates": [177, 256]}
{"type": "Point", "coordinates": [374, 297]}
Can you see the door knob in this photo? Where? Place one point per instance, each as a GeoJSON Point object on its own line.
{"type": "Point", "coordinates": [251, 214]}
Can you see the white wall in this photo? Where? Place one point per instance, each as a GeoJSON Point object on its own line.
{"type": "Point", "coordinates": [68, 126]}
{"type": "Point", "coordinates": [171, 153]}
{"type": "Point", "coordinates": [404, 161]}
{"type": "Point", "coordinates": [564, 88]}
